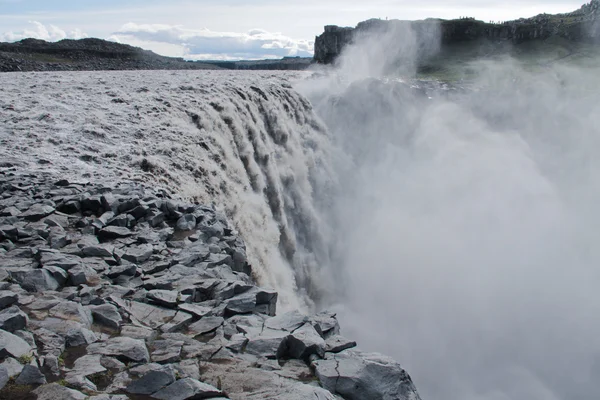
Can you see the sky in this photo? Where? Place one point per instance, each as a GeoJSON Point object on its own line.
{"type": "Point", "coordinates": [234, 29]}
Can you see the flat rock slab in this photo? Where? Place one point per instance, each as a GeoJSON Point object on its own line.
{"type": "Point", "coordinates": [114, 232]}
{"type": "Point", "coordinates": [186, 389]}
{"type": "Point", "coordinates": [37, 212]}
{"type": "Point", "coordinates": [54, 391]}
{"type": "Point", "coordinates": [122, 348]}
{"type": "Point", "coordinates": [338, 343]}
{"type": "Point", "coordinates": [107, 315]}
{"type": "Point", "coordinates": [206, 325]}
{"type": "Point", "coordinates": [12, 345]}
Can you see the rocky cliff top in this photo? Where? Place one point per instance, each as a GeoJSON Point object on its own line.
{"type": "Point", "coordinates": [582, 25]}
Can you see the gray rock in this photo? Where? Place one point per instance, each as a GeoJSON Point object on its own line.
{"type": "Point", "coordinates": [337, 343]}
{"type": "Point", "coordinates": [122, 348]}
{"type": "Point", "coordinates": [114, 232]}
{"type": "Point", "coordinates": [3, 376]}
{"type": "Point", "coordinates": [125, 269]}
{"type": "Point", "coordinates": [12, 345]}
{"type": "Point", "coordinates": [186, 223]}
{"type": "Point", "coordinates": [356, 376]}
{"type": "Point", "coordinates": [79, 336]}
{"type": "Point", "coordinates": [107, 315]}
{"type": "Point", "coordinates": [12, 366]}
{"type": "Point", "coordinates": [326, 324]}
{"type": "Point", "coordinates": [81, 383]}
{"type": "Point", "coordinates": [304, 342]}
{"type": "Point", "coordinates": [180, 321]}
{"type": "Point", "coordinates": [54, 391]}
{"type": "Point", "coordinates": [30, 375]}
{"type": "Point", "coordinates": [97, 251]}
{"type": "Point", "coordinates": [13, 319]}
{"type": "Point", "coordinates": [152, 380]}
{"type": "Point", "coordinates": [52, 343]}
{"type": "Point", "coordinates": [36, 280]}
{"type": "Point", "coordinates": [58, 273]}
{"type": "Point", "coordinates": [87, 365]}
{"type": "Point", "coordinates": [137, 332]}
{"type": "Point", "coordinates": [167, 351]}
{"type": "Point", "coordinates": [187, 388]}
{"type": "Point", "coordinates": [194, 309]}
{"type": "Point", "coordinates": [206, 325]}
{"type": "Point", "coordinates": [138, 254]}
{"type": "Point", "coordinates": [71, 311]}
{"type": "Point", "coordinates": [196, 253]}
{"type": "Point", "coordinates": [269, 343]}
{"type": "Point", "coordinates": [37, 212]}
{"type": "Point", "coordinates": [148, 314]}
{"type": "Point", "coordinates": [7, 298]}
{"type": "Point", "coordinates": [289, 321]}
{"type": "Point", "coordinates": [167, 298]}
{"type": "Point", "coordinates": [82, 275]}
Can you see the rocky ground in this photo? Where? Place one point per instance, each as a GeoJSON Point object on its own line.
{"type": "Point", "coordinates": [118, 291]}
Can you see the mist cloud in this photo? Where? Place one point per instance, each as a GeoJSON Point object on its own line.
{"type": "Point", "coordinates": [466, 239]}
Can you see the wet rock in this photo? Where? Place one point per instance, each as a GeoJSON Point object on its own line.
{"type": "Point", "coordinates": [185, 389]}
{"type": "Point", "coordinates": [13, 319]}
{"type": "Point", "coordinates": [12, 346]}
{"type": "Point", "coordinates": [54, 391]}
{"type": "Point", "coordinates": [123, 348]}
{"type": "Point", "coordinates": [153, 377]}
{"type": "Point", "coordinates": [356, 376]}
{"type": "Point", "coordinates": [30, 375]}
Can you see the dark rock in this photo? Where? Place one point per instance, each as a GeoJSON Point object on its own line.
{"type": "Point", "coordinates": [125, 269]}
{"type": "Point", "coordinates": [138, 254]}
{"type": "Point", "coordinates": [153, 378]}
{"type": "Point", "coordinates": [31, 376]}
{"type": "Point", "coordinates": [206, 325]}
{"type": "Point", "coordinates": [37, 212]}
{"type": "Point", "coordinates": [13, 319]}
{"type": "Point", "coordinates": [3, 376]}
{"type": "Point", "coordinates": [97, 251]}
{"type": "Point", "coordinates": [114, 232]}
{"type": "Point", "coordinates": [37, 280]}
{"type": "Point", "coordinates": [7, 298]}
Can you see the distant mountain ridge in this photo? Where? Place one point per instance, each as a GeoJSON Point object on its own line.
{"type": "Point", "coordinates": [93, 54]}
{"type": "Point", "coordinates": [580, 25]}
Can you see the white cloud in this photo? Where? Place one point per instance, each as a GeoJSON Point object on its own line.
{"type": "Point", "coordinates": [49, 33]}
{"type": "Point", "coordinates": [203, 44]}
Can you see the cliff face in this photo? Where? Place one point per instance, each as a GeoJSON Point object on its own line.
{"type": "Point", "coordinates": [580, 25]}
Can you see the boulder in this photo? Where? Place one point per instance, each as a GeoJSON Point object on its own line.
{"type": "Point", "coordinates": [186, 223]}
{"type": "Point", "coordinates": [34, 280]}
{"type": "Point", "coordinates": [7, 298]}
{"type": "Point", "coordinates": [356, 376]}
{"type": "Point", "coordinates": [37, 212]}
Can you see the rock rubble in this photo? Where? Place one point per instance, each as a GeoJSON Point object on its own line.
{"type": "Point", "coordinates": [119, 291]}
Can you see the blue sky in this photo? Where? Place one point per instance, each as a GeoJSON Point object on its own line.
{"type": "Point", "coordinates": [234, 29]}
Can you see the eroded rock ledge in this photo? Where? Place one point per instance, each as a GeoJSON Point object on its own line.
{"type": "Point", "coordinates": [118, 291]}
